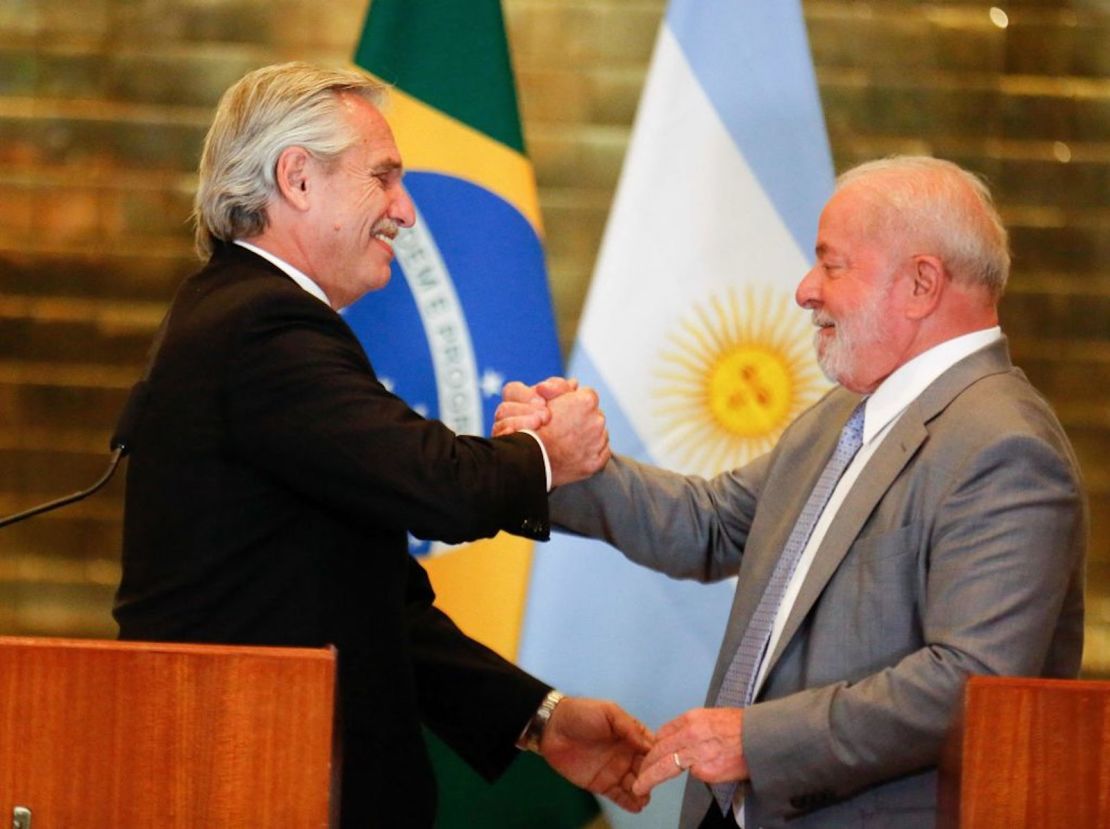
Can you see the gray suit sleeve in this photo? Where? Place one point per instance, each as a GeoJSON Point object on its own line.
{"type": "Point", "coordinates": [684, 526]}
{"type": "Point", "coordinates": [1000, 594]}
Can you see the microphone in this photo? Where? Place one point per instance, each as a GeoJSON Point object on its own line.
{"type": "Point", "coordinates": [129, 418]}
{"type": "Point", "coordinates": [120, 445]}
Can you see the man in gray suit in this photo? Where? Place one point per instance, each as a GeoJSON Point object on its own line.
{"type": "Point", "coordinates": [949, 543]}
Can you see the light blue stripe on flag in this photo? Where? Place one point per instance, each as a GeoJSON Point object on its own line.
{"type": "Point", "coordinates": [752, 60]}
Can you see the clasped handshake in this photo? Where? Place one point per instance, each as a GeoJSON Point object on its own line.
{"type": "Point", "coordinates": [595, 744]}
{"type": "Point", "coordinates": [565, 417]}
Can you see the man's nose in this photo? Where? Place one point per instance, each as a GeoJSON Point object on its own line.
{"type": "Point", "coordinates": [808, 292]}
{"type": "Point", "coordinates": [402, 210]}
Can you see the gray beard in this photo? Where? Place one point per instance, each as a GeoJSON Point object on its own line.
{"type": "Point", "coordinates": [854, 334]}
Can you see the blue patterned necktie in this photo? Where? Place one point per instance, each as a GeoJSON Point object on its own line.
{"type": "Point", "coordinates": [738, 688]}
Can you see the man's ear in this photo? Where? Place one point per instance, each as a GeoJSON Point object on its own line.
{"type": "Point", "coordinates": [929, 278]}
{"type": "Point", "coordinates": [293, 172]}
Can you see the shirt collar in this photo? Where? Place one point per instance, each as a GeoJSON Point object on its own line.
{"type": "Point", "coordinates": [904, 385]}
{"type": "Point", "coordinates": [297, 276]}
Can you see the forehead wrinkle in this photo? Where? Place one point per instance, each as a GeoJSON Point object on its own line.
{"type": "Point", "coordinates": [387, 165]}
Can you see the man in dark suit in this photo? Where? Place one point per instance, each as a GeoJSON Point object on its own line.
{"type": "Point", "coordinates": [947, 540]}
{"type": "Point", "coordinates": [273, 480]}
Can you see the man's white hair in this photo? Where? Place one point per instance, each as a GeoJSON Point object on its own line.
{"type": "Point", "coordinates": [260, 116]}
{"type": "Point", "coordinates": [940, 205]}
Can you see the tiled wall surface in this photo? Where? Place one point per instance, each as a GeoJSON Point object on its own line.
{"type": "Point", "coordinates": [103, 105]}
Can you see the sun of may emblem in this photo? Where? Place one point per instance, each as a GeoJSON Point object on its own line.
{"type": "Point", "coordinates": [731, 376]}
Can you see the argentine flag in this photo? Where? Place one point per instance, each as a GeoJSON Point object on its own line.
{"type": "Point", "coordinates": [692, 338]}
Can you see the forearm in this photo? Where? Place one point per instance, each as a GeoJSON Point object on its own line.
{"type": "Point", "coordinates": [476, 701]}
{"type": "Point", "coordinates": [680, 525]}
{"type": "Point", "coordinates": [840, 738]}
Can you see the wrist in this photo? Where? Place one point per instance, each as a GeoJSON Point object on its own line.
{"type": "Point", "coordinates": [530, 738]}
{"type": "Point", "coordinates": [546, 457]}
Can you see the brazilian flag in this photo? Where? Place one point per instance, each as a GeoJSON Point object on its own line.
{"type": "Point", "coordinates": [467, 309]}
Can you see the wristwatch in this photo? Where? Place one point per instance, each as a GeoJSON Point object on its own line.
{"type": "Point", "coordinates": [533, 732]}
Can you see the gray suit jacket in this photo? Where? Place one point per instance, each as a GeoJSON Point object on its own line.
{"type": "Point", "coordinates": [959, 551]}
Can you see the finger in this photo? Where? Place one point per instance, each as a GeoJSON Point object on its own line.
{"type": "Point", "coordinates": [664, 750]}
{"type": "Point", "coordinates": [512, 409]}
{"type": "Point", "coordinates": [514, 424]}
{"type": "Point", "coordinates": [554, 387]}
{"type": "Point", "coordinates": [631, 729]}
{"type": "Point", "coordinates": [517, 392]}
{"type": "Point", "coordinates": [671, 738]}
{"type": "Point", "coordinates": [603, 459]}
{"type": "Point", "coordinates": [627, 800]}
{"type": "Point", "coordinates": [651, 775]}
{"type": "Point", "coordinates": [587, 400]}
{"type": "Point", "coordinates": [623, 796]}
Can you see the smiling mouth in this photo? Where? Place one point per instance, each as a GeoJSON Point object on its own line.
{"type": "Point", "coordinates": [385, 237]}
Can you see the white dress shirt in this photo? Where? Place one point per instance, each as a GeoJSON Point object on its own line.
{"type": "Point", "coordinates": [301, 278]}
{"type": "Point", "coordinates": [884, 407]}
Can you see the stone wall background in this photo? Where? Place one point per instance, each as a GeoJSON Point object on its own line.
{"type": "Point", "coordinates": [103, 105]}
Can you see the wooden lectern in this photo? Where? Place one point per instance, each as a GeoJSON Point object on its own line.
{"type": "Point", "coordinates": [1028, 753]}
{"type": "Point", "coordinates": [158, 736]}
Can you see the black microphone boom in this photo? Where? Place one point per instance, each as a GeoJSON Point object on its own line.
{"type": "Point", "coordinates": [120, 445]}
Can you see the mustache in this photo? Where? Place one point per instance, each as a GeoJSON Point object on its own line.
{"type": "Point", "coordinates": [821, 318]}
{"type": "Point", "coordinates": [385, 227]}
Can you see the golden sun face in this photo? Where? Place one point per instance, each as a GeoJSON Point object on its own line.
{"type": "Point", "coordinates": [730, 378]}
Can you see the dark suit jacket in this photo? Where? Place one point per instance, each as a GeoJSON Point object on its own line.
{"type": "Point", "coordinates": [959, 550]}
{"type": "Point", "coordinates": [270, 488]}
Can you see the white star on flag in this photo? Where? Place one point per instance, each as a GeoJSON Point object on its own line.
{"type": "Point", "coordinates": [491, 382]}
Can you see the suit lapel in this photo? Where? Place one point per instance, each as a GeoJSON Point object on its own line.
{"type": "Point", "coordinates": [896, 450]}
{"type": "Point", "coordinates": [881, 470]}
{"type": "Point", "coordinates": [780, 503]}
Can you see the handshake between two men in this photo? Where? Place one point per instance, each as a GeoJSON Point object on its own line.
{"type": "Point", "coordinates": [707, 741]}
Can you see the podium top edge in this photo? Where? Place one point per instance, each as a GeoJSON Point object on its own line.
{"type": "Point", "coordinates": [1035, 683]}
{"type": "Point", "coordinates": [324, 654]}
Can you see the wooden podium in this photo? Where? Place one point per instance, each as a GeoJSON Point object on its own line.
{"type": "Point", "coordinates": [1028, 752]}
{"type": "Point", "coordinates": [157, 736]}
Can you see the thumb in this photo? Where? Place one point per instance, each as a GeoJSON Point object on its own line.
{"type": "Point", "coordinates": [630, 728]}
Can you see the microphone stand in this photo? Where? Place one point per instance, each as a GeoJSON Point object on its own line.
{"type": "Point", "coordinates": [117, 454]}
{"type": "Point", "coordinates": [120, 445]}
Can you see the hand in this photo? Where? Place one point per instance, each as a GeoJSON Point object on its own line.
{"type": "Point", "coordinates": [708, 744]}
{"type": "Point", "coordinates": [598, 746]}
{"type": "Point", "coordinates": [575, 437]}
{"type": "Point", "coordinates": [525, 407]}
